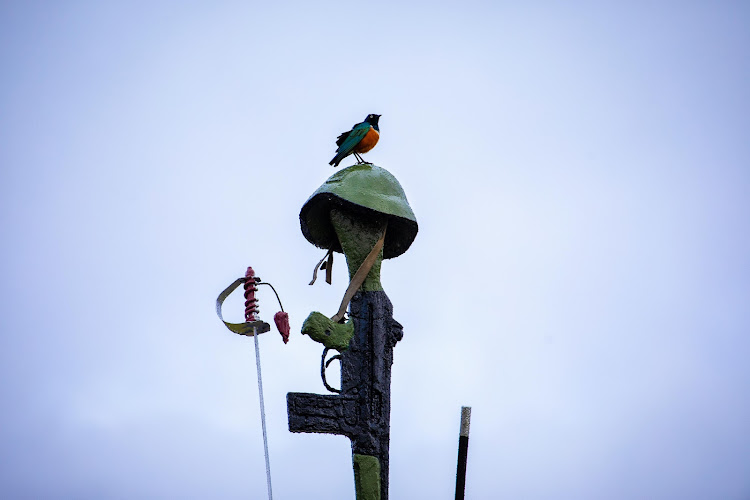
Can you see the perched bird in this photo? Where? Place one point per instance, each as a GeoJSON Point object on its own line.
{"type": "Point", "coordinates": [360, 139]}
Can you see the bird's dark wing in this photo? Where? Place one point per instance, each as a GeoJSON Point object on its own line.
{"type": "Point", "coordinates": [342, 138]}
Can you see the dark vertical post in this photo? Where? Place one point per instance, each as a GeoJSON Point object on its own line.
{"type": "Point", "coordinates": [463, 449]}
{"type": "Point", "coordinates": [366, 375]}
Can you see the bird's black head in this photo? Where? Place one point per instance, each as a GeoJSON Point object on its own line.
{"type": "Point", "coordinates": [372, 120]}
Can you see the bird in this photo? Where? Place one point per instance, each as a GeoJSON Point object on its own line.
{"type": "Point", "coordinates": [360, 139]}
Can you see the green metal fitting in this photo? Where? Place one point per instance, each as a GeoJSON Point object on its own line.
{"type": "Point", "coordinates": [366, 477]}
{"type": "Point", "coordinates": [321, 329]}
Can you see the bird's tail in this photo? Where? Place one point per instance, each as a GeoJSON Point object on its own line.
{"type": "Point", "coordinates": [336, 160]}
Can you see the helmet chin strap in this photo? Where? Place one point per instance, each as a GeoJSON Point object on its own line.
{"type": "Point", "coordinates": [324, 264]}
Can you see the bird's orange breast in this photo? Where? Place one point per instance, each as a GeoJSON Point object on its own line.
{"type": "Point", "coordinates": [368, 141]}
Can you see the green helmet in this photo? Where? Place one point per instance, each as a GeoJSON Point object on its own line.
{"type": "Point", "coordinates": [363, 189]}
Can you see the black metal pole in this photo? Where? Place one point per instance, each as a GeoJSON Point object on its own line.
{"type": "Point", "coordinates": [463, 449]}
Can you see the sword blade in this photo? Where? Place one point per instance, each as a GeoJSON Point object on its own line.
{"type": "Point", "coordinates": [262, 414]}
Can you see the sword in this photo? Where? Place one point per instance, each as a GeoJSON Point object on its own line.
{"type": "Point", "coordinates": [253, 326]}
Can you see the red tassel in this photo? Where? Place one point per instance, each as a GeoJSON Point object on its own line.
{"type": "Point", "coordinates": [282, 323]}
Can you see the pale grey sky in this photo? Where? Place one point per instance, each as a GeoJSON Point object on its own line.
{"type": "Point", "coordinates": [580, 175]}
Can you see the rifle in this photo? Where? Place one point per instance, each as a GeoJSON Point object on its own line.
{"type": "Point", "coordinates": [361, 409]}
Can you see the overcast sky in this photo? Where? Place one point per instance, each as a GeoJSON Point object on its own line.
{"type": "Point", "coordinates": [580, 172]}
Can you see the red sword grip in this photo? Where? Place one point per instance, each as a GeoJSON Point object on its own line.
{"type": "Point", "coordinates": [251, 303]}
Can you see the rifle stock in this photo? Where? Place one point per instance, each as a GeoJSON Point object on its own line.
{"type": "Point", "coordinates": [321, 413]}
